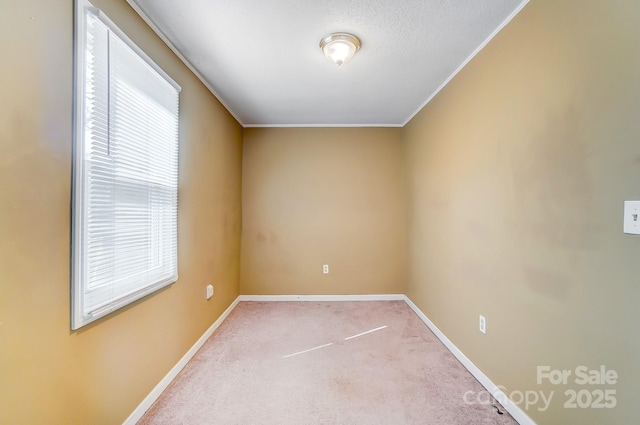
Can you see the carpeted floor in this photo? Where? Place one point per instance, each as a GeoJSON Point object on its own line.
{"type": "Point", "coordinates": [305, 363]}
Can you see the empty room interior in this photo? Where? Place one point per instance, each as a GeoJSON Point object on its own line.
{"type": "Point", "coordinates": [500, 194]}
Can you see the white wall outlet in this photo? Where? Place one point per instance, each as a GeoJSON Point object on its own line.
{"type": "Point", "coordinates": [483, 324]}
{"type": "Point", "coordinates": [325, 268]}
{"type": "Point", "coordinates": [209, 291]}
{"type": "Point", "coordinates": [632, 217]}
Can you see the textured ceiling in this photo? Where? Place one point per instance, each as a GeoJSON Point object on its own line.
{"type": "Point", "coordinates": [261, 57]}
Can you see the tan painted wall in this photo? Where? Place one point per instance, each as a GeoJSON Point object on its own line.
{"type": "Point", "coordinates": [517, 173]}
{"type": "Point", "coordinates": [98, 375]}
{"type": "Point", "coordinates": [314, 196]}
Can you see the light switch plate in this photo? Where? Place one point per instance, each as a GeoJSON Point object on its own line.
{"type": "Point", "coordinates": [632, 217]}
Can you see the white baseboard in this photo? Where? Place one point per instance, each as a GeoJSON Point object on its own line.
{"type": "Point", "coordinates": [514, 410]}
{"type": "Point", "coordinates": [164, 383]}
{"type": "Point", "coordinates": [370, 297]}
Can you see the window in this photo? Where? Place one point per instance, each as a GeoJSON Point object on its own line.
{"type": "Point", "coordinates": [125, 171]}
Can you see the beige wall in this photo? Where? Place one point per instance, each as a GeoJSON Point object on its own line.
{"type": "Point", "coordinates": [98, 375]}
{"type": "Point", "coordinates": [314, 196]}
{"type": "Point", "coordinates": [516, 176]}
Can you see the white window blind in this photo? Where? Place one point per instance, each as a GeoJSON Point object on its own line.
{"type": "Point", "coordinates": [125, 171]}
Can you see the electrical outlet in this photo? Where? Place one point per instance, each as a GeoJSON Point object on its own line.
{"type": "Point", "coordinates": [209, 291]}
{"type": "Point", "coordinates": [325, 269]}
{"type": "Point", "coordinates": [483, 324]}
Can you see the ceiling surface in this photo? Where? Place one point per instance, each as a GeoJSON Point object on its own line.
{"type": "Point", "coordinates": [262, 59]}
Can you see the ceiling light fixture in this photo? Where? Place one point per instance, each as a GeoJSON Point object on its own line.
{"type": "Point", "coordinates": [340, 47]}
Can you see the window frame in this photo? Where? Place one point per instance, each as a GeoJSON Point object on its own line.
{"type": "Point", "coordinates": [78, 187]}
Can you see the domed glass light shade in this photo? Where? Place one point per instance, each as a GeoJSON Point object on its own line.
{"type": "Point", "coordinates": [340, 47]}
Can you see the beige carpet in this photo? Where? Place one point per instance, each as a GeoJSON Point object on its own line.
{"type": "Point", "coordinates": [297, 363]}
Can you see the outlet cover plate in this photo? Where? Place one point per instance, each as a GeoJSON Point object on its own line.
{"type": "Point", "coordinates": [483, 324]}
